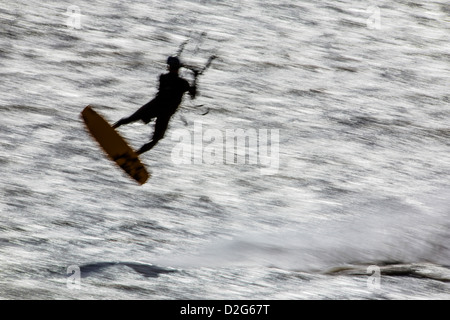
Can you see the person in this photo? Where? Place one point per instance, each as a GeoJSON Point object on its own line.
{"type": "Point", "coordinates": [166, 102]}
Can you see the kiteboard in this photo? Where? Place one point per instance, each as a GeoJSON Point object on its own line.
{"type": "Point", "coordinates": [116, 148]}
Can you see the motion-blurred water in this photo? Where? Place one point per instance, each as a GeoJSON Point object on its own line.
{"type": "Point", "coordinates": [358, 92]}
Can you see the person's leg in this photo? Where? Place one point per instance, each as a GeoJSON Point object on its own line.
{"type": "Point", "coordinates": [144, 113]}
{"type": "Point", "coordinates": [160, 128]}
{"type": "Point", "coordinates": [134, 117]}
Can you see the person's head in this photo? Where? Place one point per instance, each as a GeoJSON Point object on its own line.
{"type": "Point", "coordinates": [173, 64]}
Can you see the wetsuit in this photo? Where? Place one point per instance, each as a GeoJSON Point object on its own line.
{"type": "Point", "coordinates": [162, 107]}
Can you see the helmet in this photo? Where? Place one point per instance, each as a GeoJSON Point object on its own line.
{"type": "Point", "coordinates": [174, 62]}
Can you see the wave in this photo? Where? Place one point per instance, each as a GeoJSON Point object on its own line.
{"type": "Point", "coordinates": [416, 270]}
{"type": "Point", "coordinates": [147, 270]}
{"type": "Point", "coordinates": [384, 233]}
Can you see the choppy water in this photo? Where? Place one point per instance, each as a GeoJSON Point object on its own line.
{"type": "Point", "coordinates": [358, 92]}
